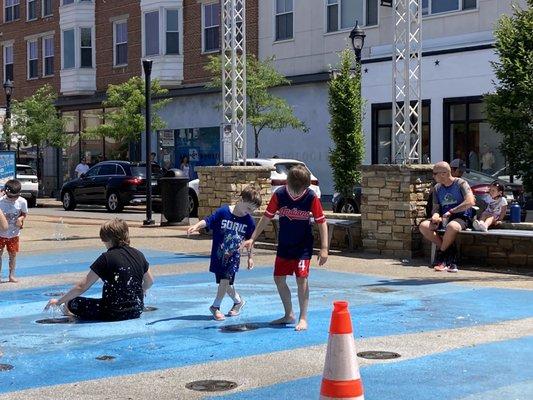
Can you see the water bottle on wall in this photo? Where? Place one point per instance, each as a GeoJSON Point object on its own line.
{"type": "Point", "coordinates": [515, 211]}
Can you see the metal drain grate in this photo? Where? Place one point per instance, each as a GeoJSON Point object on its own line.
{"type": "Point", "coordinates": [105, 357]}
{"type": "Point", "coordinates": [378, 355]}
{"type": "Point", "coordinates": [211, 385]}
{"type": "Point", "coordinates": [380, 290]}
{"type": "Point", "coordinates": [239, 328]}
{"type": "Point", "coordinates": [150, 309]}
{"type": "Point", "coordinates": [5, 367]}
{"type": "Point", "coordinates": [62, 320]}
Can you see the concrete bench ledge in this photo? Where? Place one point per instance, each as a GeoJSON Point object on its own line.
{"type": "Point", "coordinates": [502, 232]}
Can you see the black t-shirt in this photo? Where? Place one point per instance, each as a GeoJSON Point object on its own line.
{"type": "Point", "coordinates": [122, 269]}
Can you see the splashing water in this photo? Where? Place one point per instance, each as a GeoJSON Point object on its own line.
{"type": "Point", "coordinates": [59, 232]}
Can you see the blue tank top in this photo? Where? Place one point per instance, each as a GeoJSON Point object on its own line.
{"type": "Point", "coordinates": [450, 197]}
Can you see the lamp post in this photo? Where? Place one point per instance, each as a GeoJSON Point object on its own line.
{"type": "Point", "coordinates": [8, 89]}
{"type": "Point", "coordinates": [357, 35]}
{"type": "Point", "coordinates": [147, 66]}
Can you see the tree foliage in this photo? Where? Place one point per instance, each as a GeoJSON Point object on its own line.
{"type": "Point", "coordinates": [345, 128]}
{"type": "Point", "coordinates": [124, 119]}
{"type": "Point", "coordinates": [263, 109]}
{"type": "Point", "coordinates": [510, 108]}
{"type": "Point", "coordinates": [36, 120]}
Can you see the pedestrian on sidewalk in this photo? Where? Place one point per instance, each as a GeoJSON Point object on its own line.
{"type": "Point", "coordinates": [231, 224]}
{"type": "Point", "coordinates": [14, 208]}
{"type": "Point", "coordinates": [294, 203]}
{"type": "Point", "coordinates": [126, 276]}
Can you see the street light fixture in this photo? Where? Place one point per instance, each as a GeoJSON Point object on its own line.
{"type": "Point", "coordinates": [147, 66]}
{"type": "Point", "coordinates": [357, 35]}
{"type": "Point", "coordinates": [8, 89]}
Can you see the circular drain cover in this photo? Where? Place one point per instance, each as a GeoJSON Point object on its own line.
{"type": "Point", "coordinates": [211, 386]}
{"type": "Point", "coordinates": [105, 358]}
{"type": "Point", "coordinates": [380, 290]}
{"type": "Point", "coordinates": [54, 294]}
{"type": "Point", "coordinates": [5, 367]}
{"type": "Point", "coordinates": [149, 309]}
{"type": "Point", "coordinates": [62, 320]}
{"type": "Point", "coordinates": [239, 328]}
{"type": "Point", "coordinates": [378, 355]}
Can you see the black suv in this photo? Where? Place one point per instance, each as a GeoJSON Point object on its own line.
{"type": "Point", "coordinates": [111, 183]}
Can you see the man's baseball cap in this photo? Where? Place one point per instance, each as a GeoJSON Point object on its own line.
{"type": "Point", "coordinates": [458, 163]}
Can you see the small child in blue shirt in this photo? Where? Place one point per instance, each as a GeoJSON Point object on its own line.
{"type": "Point", "coordinates": [231, 225]}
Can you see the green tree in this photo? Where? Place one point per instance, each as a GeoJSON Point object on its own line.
{"type": "Point", "coordinates": [510, 108]}
{"type": "Point", "coordinates": [345, 128]}
{"type": "Point", "coordinates": [263, 109]}
{"type": "Point", "coordinates": [124, 118]}
{"type": "Point", "coordinates": [37, 122]}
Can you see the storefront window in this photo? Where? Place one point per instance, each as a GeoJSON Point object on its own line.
{"type": "Point", "coordinates": [470, 138]}
{"type": "Point", "coordinates": [92, 148]}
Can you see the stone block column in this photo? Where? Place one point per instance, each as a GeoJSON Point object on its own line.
{"type": "Point", "coordinates": [223, 185]}
{"type": "Point", "coordinates": [393, 204]}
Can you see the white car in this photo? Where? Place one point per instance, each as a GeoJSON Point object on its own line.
{"type": "Point", "coordinates": [278, 177]}
{"type": "Point", "coordinates": [30, 185]}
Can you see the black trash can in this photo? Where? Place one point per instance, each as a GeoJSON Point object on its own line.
{"type": "Point", "coordinates": [174, 196]}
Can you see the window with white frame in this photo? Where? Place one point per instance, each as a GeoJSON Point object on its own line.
{"type": "Point", "coordinates": [46, 8]}
{"type": "Point", "coordinates": [211, 27]}
{"type": "Point", "coordinates": [11, 10]}
{"type": "Point", "coordinates": [65, 2]}
{"type": "Point", "coordinates": [86, 48]}
{"type": "Point", "coordinates": [343, 14]}
{"type": "Point", "coordinates": [121, 42]}
{"type": "Point", "coordinates": [430, 7]}
{"type": "Point", "coordinates": [8, 62]}
{"type": "Point", "coordinates": [69, 49]}
{"type": "Point", "coordinates": [48, 56]}
{"type": "Point", "coordinates": [172, 32]}
{"type": "Point", "coordinates": [284, 19]}
{"type": "Point", "coordinates": [151, 33]}
{"type": "Point", "coordinates": [31, 9]}
{"type": "Point", "coordinates": [33, 59]}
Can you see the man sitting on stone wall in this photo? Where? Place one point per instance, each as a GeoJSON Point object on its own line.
{"type": "Point", "coordinates": [452, 210]}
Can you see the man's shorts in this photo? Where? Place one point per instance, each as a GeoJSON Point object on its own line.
{"type": "Point", "coordinates": [285, 266]}
{"type": "Point", "coordinates": [12, 244]}
{"type": "Point", "coordinates": [465, 222]}
{"type": "Point", "coordinates": [230, 276]}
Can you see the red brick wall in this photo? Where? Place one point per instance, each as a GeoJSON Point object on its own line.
{"type": "Point", "coordinates": [18, 30]}
{"type": "Point", "coordinates": [193, 68]}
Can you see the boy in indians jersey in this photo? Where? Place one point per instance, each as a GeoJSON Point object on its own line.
{"type": "Point", "coordinates": [294, 203]}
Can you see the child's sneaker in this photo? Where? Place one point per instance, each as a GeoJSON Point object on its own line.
{"type": "Point", "coordinates": [236, 309]}
{"type": "Point", "coordinates": [217, 315]}
{"type": "Point", "coordinates": [479, 226]}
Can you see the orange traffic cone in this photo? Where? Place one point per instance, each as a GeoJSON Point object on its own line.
{"type": "Point", "coordinates": [341, 378]}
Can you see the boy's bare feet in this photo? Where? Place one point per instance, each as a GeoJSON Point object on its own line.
{"type": "Point", "coordinates": [13, 280]}
{"type": "Point", "coordinates": [302, 325]}
{"type": "Point", "coordinates": [284, 320]}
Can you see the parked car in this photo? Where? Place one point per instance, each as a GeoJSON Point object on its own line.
{"type": "Point", "coordinates": [278, 178]}
{"type": "Point", "coordinates": [347, 205]}
{"type": "Point", "coordinates": [30, 184]}
{"type": "Point", "coordinates": [480, 183]}
{"type": "Point", "coordinates": [111, 183]}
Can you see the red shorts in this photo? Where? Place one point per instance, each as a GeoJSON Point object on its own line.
{"type": "Point", "coordinates": [285, 266]}
{"type": "Point", "coordinates": [12, 244]}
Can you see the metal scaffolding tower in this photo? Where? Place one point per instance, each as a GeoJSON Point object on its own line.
{"type": "Point", "coordinates": [406, 82]}
{"type": "Point", "coordinates": [233, 81]}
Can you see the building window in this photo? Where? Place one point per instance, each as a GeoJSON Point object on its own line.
{"type": "Point", "coordinates": [31, 9]}
{"type": "Point", "coordinates": [65, 2]}
{"type": "Point", "coordinates": [11, 10]}
{"type": "Point", "coordinates": [172, 35]}
{"type": "Point", "coordinates": [469, 137]}
{"type": "Point", "coordinates": [121, 42]}
{"type": "Point", "coordinates": [382, 133]}
{"type": "Point", "coordinates": [86, 48]}
{"type": "Point", "coordinates": [69, 49]}
{"type": "Point", "coordinates": [430, 7]}
{"type": "Point", "coordinates": [33, 60]}
{"type": "Point", "coordinates": [342, 14]}
{"type": "Point", "coordinates": [211, 27]}
{"type": "Point", "coordinates": [48, 56]}
{"type": "Point", "coordinates": [284, 20]}
{"type": "Point", "coordinates": [47, 8]}
{"type": "Point", "coordinates": [151, 33]}
{"type": "Point", "coordinates": [8, 63]}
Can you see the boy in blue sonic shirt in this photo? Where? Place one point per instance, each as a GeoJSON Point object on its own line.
{"type": "Point", "coordinates": [231, 225]}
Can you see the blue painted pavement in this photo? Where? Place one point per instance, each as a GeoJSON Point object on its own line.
{"type": "Point", "coordinates": [181, 332]}
{"type": "Point", "coordinates": [499, 370]}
